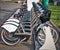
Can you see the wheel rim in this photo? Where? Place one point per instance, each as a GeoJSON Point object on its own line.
{"type": "Point", "coordinates": [41, 37]}
{"type": "Point", "coordinates": [40, 40]}
{"type": "Point", "coordinates": [54, 34]}
{"type": "Point", "coordinates": [8, 38]}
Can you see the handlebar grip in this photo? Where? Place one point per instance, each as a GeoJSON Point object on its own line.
{"type": "Point", "coordinates": [36, 6]}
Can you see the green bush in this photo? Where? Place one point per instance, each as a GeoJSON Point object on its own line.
{"type": "Point", "coordinates": [55, 14]}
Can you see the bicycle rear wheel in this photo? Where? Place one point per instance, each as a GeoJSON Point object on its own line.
{"type": "Point", "coordinates": [9, 38]}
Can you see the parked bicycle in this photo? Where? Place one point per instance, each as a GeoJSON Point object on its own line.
{"type": "Point", "coordinates": [17, 31]}
{"type": "Point", "coordinates": [44, 16]}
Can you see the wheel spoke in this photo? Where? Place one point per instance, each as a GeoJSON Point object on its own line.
{"type": "Point", "coordinates": [41, 38]}
{"type": "Point", "coordinates": [9, 39]}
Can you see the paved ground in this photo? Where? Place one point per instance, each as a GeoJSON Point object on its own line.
{"type": "Point", "coordinates": [9, 5]}
{"type": "Point", "coordinates": [16, 47]}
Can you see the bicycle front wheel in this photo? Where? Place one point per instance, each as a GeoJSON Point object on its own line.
{"type": "Point", "coordinates": [54, 33]}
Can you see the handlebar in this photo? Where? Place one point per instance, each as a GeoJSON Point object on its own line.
{"type": "Point", "coordinates": [44, 13]}
{"type": "Point", "coordinates": [37, 7]}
